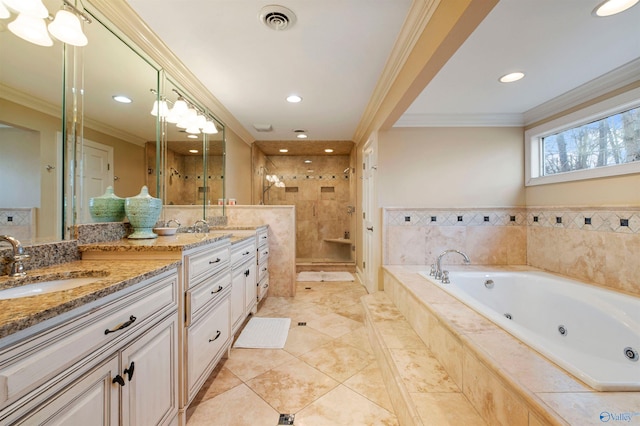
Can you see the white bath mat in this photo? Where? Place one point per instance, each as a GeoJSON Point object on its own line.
{"type": "Point", "coordinates": [325, 276]}
{"type": "Point", "coordinates": [264, 333]}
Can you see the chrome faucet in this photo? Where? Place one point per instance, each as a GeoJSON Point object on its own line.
{"type": "Point", "coordinates": [203, 228]}
{"type": "Point", "coordinates": [17, 267]}
{"type": "Point", "coordinates": [439, 273]}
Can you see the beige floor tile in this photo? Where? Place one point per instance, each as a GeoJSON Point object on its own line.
{"type": "Point", "coordinates": [239, 407]}
{"type": "Point", "coordinates": [303, 339]}
{"type": "Point", "coordinates": [338, 360]}
{"type": "Point", "coordinates": [220, 381]}
{"type": "Point", "coordinates": [334, 325]}
{"type": "Point", "coordinates": [249, 363]}
{"type": "Point", "coordinates": [369, 383]}
{"type": "Point", "coordinates": [421, 371]}
{"type": "Point", "coordinates": [292, 386]}
{"type": "Point", "coordinates": [344, 407]}
{"type": "Point", "coordinates": [354, 312]}
{"type": "Point", "coordinates": [357, 338]}
{"type": "Point", "coordinates": [446, 409]}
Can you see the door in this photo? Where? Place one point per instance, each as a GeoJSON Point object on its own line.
{"type": "Point", "coordinates": [97, 175]}
{"type": "Point", "coordinates": [368, 207]}
{"type": "Point", "coordinates": [150, 372]}
{"type": "Point", "coordinates": [92, 400]}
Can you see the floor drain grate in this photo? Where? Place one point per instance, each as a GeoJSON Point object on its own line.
{"type": "Point", "coordinates": [302, 324]}
{"type": "Point", "coordinates": [286, 419]}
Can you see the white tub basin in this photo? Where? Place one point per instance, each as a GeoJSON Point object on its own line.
{"type": "Point", "coordinates": [43, 287]}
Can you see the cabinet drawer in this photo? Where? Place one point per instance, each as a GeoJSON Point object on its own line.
{"type": "Point", "coordinates": [206, 338]}
{"type": "Point", "coordinates": [263, 270]}
{"type": "Point", "coordinates": [30, 363]}
{"type": "Point", "coordinates": [206, 262]}
{"type": "Point", "coordinates": [243, 251]}
{"type": "Point", "coordinates": [263, 287]}
{"type": "Point", "coordinates": [206, 292]}
{"type": "Point", "coordinates": [263, 253]}
{"type": "Point", "coordinates": [262, 235]}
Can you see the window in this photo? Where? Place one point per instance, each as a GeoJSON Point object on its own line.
{"type": "Point", "coordinates": [601, 140]}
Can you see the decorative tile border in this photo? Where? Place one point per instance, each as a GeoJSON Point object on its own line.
{"type": "Point", "coordinates": [602, 220]}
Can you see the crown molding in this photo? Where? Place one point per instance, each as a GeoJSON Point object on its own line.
{"type": "Point", "coordinates": [460, 120]}
{"type": "Point", "coordinates": [417, 19]}
{"type": "Point", "coordinates": [620, 77]}
{"type": "Point", "coordinates": [126, 20]}
{"type": "Point", "coordinates": [26, 100]}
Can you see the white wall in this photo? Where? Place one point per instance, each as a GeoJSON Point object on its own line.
{"type": "Point", "coordinates": [451, 167]}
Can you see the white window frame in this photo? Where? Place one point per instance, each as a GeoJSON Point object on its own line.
{"type": "Point", "coordinates": [533, 141]}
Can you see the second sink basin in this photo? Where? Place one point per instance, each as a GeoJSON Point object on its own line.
{"type": "Point", "coordinates": [43, 287]}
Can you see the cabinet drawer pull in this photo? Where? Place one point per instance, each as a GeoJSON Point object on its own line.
{"type": "Point", "coordinates": [264, 237]}
{"type": "Point", "coordinates": [129, 371]}
{"type": "Point", "coordinates": [211, 262]}
{"type": "Point", "coordinates": [264, 269]}
{"type": "Point", "coordinates": [215, 338]}
{"type": "Point", "coordinates": [265, 253]}
{"type": "Point", "coordinates": [218, 290]}
{"type": "Point", "coordinates": [121, 326]}
{"type": "Point", "coordinates": [246, 273]}
{"type": "Point", "coordinates": [266, 285]}
{"type": "Point", "coordinates": [119, 380]}
{"type": "Point", "coordinates": [246, 253]}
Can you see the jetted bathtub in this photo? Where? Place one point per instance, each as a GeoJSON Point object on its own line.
{"type": "Point", "coordinates": [592, 333]}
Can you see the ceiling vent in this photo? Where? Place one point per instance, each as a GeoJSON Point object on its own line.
{"type": "Point", "coordinates": [276, 17]}
{"type": "Point", "coordinates": [263, 127]}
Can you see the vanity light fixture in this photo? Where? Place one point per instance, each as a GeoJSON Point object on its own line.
{"type": "Point", "coordinates": [294, 99]}
{"type": "Point", "coordinates": [194, 130]}
{"type": "Point", "coordinates": [122, 99]}
{"type": "Point", "coordinates": [612, 7]}
{"type": "Point", "coordinates": [160, 107]}
{"type": "Point", "coordinates": [30, 24]}
{"type": "Point", "coordinates": [210, 128]}
{"type": "Point", "coordinates": [4, 12]}
{"type": "Point", "coordinates": [511, 77]}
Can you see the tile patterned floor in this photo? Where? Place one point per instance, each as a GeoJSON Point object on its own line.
{"type": "Point", "coordinates": [325, 375]}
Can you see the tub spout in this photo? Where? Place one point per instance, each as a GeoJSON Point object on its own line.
{"type": "Point", "coordinates": [438, 274]}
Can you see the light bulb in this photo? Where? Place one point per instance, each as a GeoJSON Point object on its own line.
{"type": "Point", "coordinates": [66, 27]}
{"type": "Point", "coordinates": [31, 29]}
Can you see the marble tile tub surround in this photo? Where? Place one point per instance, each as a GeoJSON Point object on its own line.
{"type": "Point", "coordinates": [507, 382]}
{"type": "Point", "coordinates": [596, 245]}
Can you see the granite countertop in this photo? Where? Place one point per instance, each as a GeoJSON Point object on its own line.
{"type": "Point", "coordinates": [21, 313]}
{"type": "Point", "coordinates": [177, 242]}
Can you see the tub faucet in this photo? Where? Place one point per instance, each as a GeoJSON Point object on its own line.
{"type": "Point", "coordinates": [439, 272]}
{"type": "Point", "coordinates": [17, 267]}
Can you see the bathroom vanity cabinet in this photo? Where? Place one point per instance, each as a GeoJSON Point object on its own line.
{"type": "Point", "coordinates": [112, 361]}
{"type": "Point", "coordinates": [262, 237]}
{"type": "Point", "coordinates": [243, 283]}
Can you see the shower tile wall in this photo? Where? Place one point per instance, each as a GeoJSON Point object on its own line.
{"type": "Point", "coordinates": [596, 245]}
{"type": "Point", "coordinates": [321, 193]}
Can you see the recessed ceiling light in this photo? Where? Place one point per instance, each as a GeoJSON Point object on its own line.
{"type": "Point", "coordinates": [122, 99]}
{"type": "Point", "coordinates": [307, 161]}
{"type": "Point", "coordinates": [611, 7]}
{"type": "Point", "coordinates": [284, 150]}
{"type": "Point", "coordinates": [328, 150]}
{"type": "Point", "coordinates": [192, 136]}
{"type": "Point", "coordinates": [294, 99]}
{"type": "Point", "coordinates": [193, 151]}
{"type": "Point", "coordinates": [511, 77]}
{"type": "Point", "coordinates": [301, 136]}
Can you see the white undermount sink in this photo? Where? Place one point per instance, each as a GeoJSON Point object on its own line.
{"type": "Point", "coordinates": [42, 287]}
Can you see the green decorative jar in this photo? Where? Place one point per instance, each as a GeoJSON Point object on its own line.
{"type": "Point", "coordinates": [143, 212]}
{"type": "Point", "coordinates": [107, 207]}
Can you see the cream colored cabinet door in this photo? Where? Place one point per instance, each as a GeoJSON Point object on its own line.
{"type": "Point", "coordinates": [251, 290]}
{"type": "Point", "coordinates": [149, 376]}
{"type": "Point", "coordinates": [237, 298]}
{"type": "Point", "coordinates": [92, 400]}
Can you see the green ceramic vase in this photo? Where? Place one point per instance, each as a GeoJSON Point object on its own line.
{"type": "Point", "coordinates": [143, 212]}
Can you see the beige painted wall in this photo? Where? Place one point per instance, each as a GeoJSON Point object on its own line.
{"type": "Point", "coordinates": [238, 169]}
{"type": "Point", "coordinates": [48, 126]}
{"type": "Point", "coordinates": [609, 191]}
{"type": "Point", "coordinates": [451, 167]}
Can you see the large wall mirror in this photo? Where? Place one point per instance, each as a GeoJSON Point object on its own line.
{"type": "Point", "coordinates": [115, 138]}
